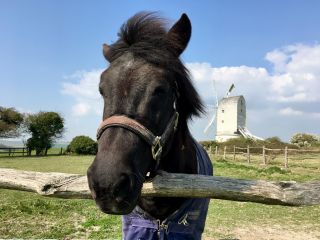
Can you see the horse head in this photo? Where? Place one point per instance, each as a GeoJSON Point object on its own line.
{"type": "Point", "coordinates": [147, 99]}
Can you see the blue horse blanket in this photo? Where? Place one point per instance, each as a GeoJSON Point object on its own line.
{"type": "Point", "coordinates": [185, 224]}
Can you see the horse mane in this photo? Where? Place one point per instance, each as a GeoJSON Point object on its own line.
{"type": "Point", "coordinates": [145, 36]}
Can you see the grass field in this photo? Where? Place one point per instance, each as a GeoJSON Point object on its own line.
{"type": "Point", "coordinates": [27, 215]}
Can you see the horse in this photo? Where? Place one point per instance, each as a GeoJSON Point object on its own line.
{"type": "Point", "coordinates": [148, 101]}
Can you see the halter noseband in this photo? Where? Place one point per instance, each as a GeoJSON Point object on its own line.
{"type": "Point", "coordinates": [156, 142]}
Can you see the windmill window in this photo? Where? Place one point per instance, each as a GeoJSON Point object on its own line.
{"type": "Point", "coordinates": [222, 121]}
{"type": "Point", "coordinates": [222, 110]}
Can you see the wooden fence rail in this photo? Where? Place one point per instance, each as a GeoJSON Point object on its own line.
{"type": "Point", "coordinates": [170, 185]}
{"type": "Point", "coordinates": [14, 150]}
{"type": "Point", "coordinates": [264, 152]}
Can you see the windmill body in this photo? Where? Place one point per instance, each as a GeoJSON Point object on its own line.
{"type": "Point", "coordinates": [231, 117]}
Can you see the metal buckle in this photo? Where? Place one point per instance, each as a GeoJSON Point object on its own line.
{"type": "Point", "coordinates": [183, 220]}
{"type": "Point", "coordinates": [162, 226]}
{"type": "Point", "coordinates": [156, 148]}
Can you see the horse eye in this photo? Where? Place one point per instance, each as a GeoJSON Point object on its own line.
{"type": "Point", "coordinates": [159, 91]}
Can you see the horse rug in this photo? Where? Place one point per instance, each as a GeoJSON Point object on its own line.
{"type": "Point", "coordinates": [185, 224]}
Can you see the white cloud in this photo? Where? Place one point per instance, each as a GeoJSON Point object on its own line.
{"type": "Point", "coordinates": [85, 92]}
{"type": "Point", "coordinates": [81, 109]}
{"type": "Point", "coordinates": [278, 59]}
{"type": "Point", "coordinates": [247, 80]}
{"type": "Point", "coordinates": [290, 112]}
{"type": "Point", "coordinates": [316, 115]}
{"type": "Point", "coordinates": [296, 75]}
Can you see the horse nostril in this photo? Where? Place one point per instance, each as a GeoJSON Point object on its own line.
{"type": "Point", "coordinates": [119, 199]}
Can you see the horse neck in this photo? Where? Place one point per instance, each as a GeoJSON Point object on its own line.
{"type": "Point", "coordinates": [181, 158]}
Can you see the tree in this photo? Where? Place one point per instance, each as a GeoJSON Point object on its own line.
{"type": "Point", "coordinates": [83, 145]}
{"type": "Point", "coordinates": [304, 139]}
{"type": "Point", "coordinates": [45, 128]}
{"type": "Point", "coordinates": [10, 122]}
{"type": "Point", "coordinates": [274, 142]}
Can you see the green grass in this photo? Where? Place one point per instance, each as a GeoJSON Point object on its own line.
{"type": "Point", "coordinates": [63, 163]}
{"type": "Point", "coordinates": [226, 216]}
{"type": "Point", "coordinates": [27, 215]}
{"type": "Point", "coordinates": [303, 170]}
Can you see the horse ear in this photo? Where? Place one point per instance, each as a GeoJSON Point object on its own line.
{"type": "Point", "coordinates": [106, 52]}
{"type": "Point", "coordinates": [179, 35]}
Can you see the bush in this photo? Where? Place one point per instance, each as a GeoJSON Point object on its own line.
{"type": "Point", "coordinates": [239, 142]}
{"type": "Point", "coordinates": [10, 122]}
{"type": "Point", "coordinates": [208, 144]}
{"type": "Point", "coordinates": [304, 140]}
{"type": "Point", "coordinates": [82, 145]}
{"type": "Point", "coordinates": [275, 142]}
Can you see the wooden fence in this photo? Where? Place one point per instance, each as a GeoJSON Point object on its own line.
{"type": "Point", "coordinates": [23, 151]}
{"type": "Point", "coordinates": [65, 185]}
{"type": "Point", "coordinates": [262, 151]}
{"type": "Point", "coordinates": [14, 150]}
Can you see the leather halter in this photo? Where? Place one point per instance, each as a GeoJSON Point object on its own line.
{"type": "Point", "coordinates": [156, 142]}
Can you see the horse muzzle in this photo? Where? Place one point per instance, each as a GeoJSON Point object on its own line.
{"type": "Point", "coordinates": [117, 197]}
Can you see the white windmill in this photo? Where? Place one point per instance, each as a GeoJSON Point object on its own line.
{"type": "Point", "coordinates": [229, 117]}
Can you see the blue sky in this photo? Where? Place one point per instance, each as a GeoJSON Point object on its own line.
{"type": "Point", "coordinates": [51, 58]}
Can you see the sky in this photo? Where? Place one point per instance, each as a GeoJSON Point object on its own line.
{"type": "Point", "coordinates": [51, 58]}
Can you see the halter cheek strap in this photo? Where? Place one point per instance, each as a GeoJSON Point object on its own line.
{"type": "Point", "coordinates": [156, 142]}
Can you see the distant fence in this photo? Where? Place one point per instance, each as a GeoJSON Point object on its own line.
{"type": "Point", "coordinates": [263, 151]}
{"type": "Point", "coordinates": [14, 150]}
{"type": "Point", "coordinates": [24, 151]}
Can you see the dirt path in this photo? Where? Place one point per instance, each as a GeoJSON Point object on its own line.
{"type": "Point", "coordinates": [276, 232]}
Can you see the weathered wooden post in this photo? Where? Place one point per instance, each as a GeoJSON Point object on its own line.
{"type": "Point", "coordinates": [234, 153]}
{"type": "Point", "coordinates": [264, 155]}
{"type": "Point", "coordinates": [224, 152]}
{"type": "Point", "coordinates": [61, 151]}
{"type": "Point", "coordinates": [65, 185]}
{"type": "Point", "coordinates": [286, 157]}
{"type": "Point", "coordinates": [248, 154]}
{"type": "Point", "coordinates": [216, 150]}
{"type": "Point", "coordinates": [22, 151]}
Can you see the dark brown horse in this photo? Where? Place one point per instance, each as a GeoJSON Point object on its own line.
{"type": "Point", "coordinates": [148, 100]}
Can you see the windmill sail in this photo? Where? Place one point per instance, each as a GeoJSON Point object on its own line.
{"type": "Point", "coordinates": [247, 134]}
{"type": "Point", "coordinates": [230, 89]}
{"type": "Point", "coordinates": [213, 118]}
